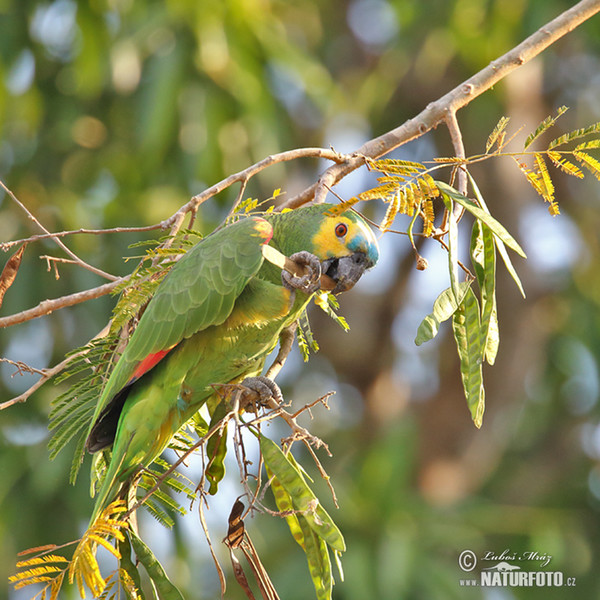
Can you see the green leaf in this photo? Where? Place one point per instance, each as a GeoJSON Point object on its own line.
{"type": "Point", "coordinates": [574, 135]}
{"type": "Point", "coordinates": [497, 228]}
{"type": "Point", "coordinates": [302, 496]}
{"type": "Point", "coordinates": [467, 333]}
{"type": "Point", "coordinates": [155, 570]}
{"type": "Point", "coordinates": [319, 561]}
{"type": "Point", "coordinates": [452, 245]}
{"type": "Point", "coordinates": [285, 505]}
{"type": "Point", "coordinates": [544, 126]}
{"type": "Point", "coordinates": [483, 256]}
{"type": "Point", "coordinates": [499, 243]}
{"type": "Point", "coordinates": [443, 308]}
{"type": "Point", "coordinates": [493, 337]}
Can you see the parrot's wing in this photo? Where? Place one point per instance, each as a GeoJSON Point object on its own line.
{"type": "Point", "coordinates": [199, 291]}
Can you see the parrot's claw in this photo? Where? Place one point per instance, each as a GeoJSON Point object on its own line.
{"type": "Point", "coordinates": [267, 390]}
{"type": "Point", "coordinates": [310, 282]}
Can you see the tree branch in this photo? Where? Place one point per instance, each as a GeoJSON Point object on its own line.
{"type": "Point", "coordinates": [47, 306]}
{"type": "Point", "coordinates": [460, 96]}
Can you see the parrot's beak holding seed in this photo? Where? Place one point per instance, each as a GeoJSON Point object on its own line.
{"type": "Point", "coordinates": [347, 270]}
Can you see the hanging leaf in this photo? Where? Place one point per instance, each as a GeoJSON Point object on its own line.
{"type": "Point", "coordinates": [546, 185]}
{"type": "Point", "coordinates": [302, 496]}
{"type": "Point", "coordinates": [499, 243]}
{"type": "Point", "coordinates": [564, 165]}
{"type": "Point", "coordinates": [443, 308]}
{"type": "Point", "coordinates": [483, 257]}
{"type": "Point", "coordinates": [497, 228]}
{"type": "Point", "coordinates": [155, 570]}
{"type": "Point", "coordinates": [589, 162]}
{"type": "Point", "coordinates": [391, 212]}
{"type": "Point", "coordinates": [9, 273]}
{"type": "Point", "coordinates": [467, 333]}
{"type": "Point", "coordinates": [319, 561]}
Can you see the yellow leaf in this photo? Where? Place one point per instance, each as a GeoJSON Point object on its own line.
{"type": "Point", "coordinates": [494, 136]}
{"type": "Point", "coordinates": [545, 181]}
{"type": "Point", "coordinates": [391, 212]}
{"type": "Point", "coordinates": [564, 165]}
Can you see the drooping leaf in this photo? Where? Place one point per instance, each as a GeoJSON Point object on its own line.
{"type": "Point", "coordinates": [452, 244]}
{"type": "Point", "coordinates": [302, 496]}
{"type": "Point", "coordinates": [9, 273]}
{"type": "Point", "coordinates": [319, 561]}
{"type": "Point", "coordinates": [589, 162]}
{"type": "Point", "coordinates": [467, 334]}
{"type": "Point", "coordinates": [545, 184]}
{"type": "Point", "coordinates": [564, 165]}
{"type": "Point", "coordinates": [156, 572]}
{"type": "Point", "coordinates": [499, 243]}
{"type": "Point", "coordinates": [497, 228]}
{"type": "Point", "coordinates": [443, 308]}
{"type": "Point", "coordinates": [390, 214]}
{"type": "Point", "coordinates": [483, 257]}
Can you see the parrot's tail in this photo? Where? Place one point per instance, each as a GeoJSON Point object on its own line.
{"type": "Point", "coordinates": [109, 490]}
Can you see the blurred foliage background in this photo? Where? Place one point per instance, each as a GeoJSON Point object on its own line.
{"type": "Point", "coordinates": [115, 112]}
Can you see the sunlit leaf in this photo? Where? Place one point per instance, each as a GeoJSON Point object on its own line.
{"type": "Point", "coordinates": [497, 228]}
{"type": "Point", "coordinates": [443, 308]}
{"type": "Point", "coordinates": [155, 570]}
{"type": "Point", "coordinates": [499, 243]}
{"type": "Point", "coordinates": [564, 165]}
{"type": "Point", "coordinates": [467, 334]}
{"type": "Point", "coordinates": [493, 137]}
{"type": "Point", "coordinates": [544, 126]}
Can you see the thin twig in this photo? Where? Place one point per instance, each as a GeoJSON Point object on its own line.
{"type": "Point", "coordinates": [47, 374]}
{"type": "Point", "coordinates": [74, 256]}
{"type": "Point", "coordinates": [4, 246]}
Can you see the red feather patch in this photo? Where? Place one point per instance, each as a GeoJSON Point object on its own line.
{"type": "Point", "coordinates": [148, 363]}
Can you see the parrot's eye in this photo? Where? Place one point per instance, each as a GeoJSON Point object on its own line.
{"type": "Point", "coordinates": [341, 229]}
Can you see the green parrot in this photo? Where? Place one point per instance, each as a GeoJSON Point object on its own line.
{"type": "Point", "coordinates": [213, 320]}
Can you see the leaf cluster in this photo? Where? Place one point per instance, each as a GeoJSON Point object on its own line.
{"type": "Point", "coordinates": [83, 568]}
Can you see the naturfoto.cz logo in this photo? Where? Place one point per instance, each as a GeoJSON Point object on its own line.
{"type": "Point", "coordinates": [504, 573]}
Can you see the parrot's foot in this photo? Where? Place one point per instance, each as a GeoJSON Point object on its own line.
{"type": "Point", "coordinates": [309, 282]}
{"type": "Point", "coordinates": [268, 392]}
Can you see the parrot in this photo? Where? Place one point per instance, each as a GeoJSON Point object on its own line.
{"type": "Point", "coordinates": [214, 319]}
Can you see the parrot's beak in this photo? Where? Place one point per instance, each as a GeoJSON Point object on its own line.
{"type": "Point", "coordinates": [346, 271]}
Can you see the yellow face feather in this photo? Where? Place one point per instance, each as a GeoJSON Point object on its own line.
{"type": "Point", "coordinates": [341, 236]}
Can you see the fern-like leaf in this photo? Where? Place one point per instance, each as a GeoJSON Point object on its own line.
{"type": "Point", "coordinates": [428, 217]}
{"type": "Point", "coordinates": [496, 134]}
{"type": "Point", "coordinates": [544, 126]}
{"type": "Point", "coordinates": [390, 214]}
{"type": "Point", "coordinates": [574, 135]}
{"type": "Point", "coordinates": [396, 166]}
{"type": "Point", "coordinates": [564, 165]}
{"type": "Point", "coordinates": [83, 568]}
{"type": "Point", "coordinates": [545, 183]}
{"type": "Point", "coordinates": [589, 162]}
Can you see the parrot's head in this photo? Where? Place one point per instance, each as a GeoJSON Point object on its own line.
{"type": "Point", "coordinates": [344, 243]}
